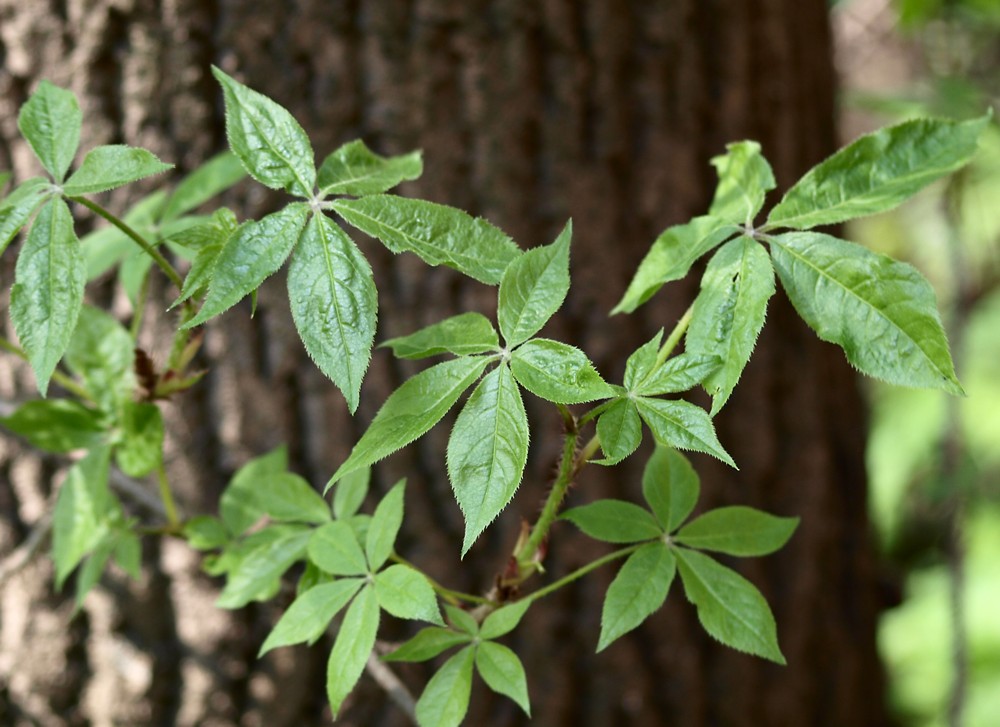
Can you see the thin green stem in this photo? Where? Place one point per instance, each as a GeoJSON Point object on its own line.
{"type": "Point", "coordinates": [582, 571]}
{"type": "Point", "coordinates": [169, 506]}
{"type": "Point", "coordinates": [526, 554]}
{"type": "Point", "coordinates": [453, 597]}
{"type": "Point", "coordinates": [158, 258]}
{"type": "Point", "coordinates": [140, 306]}
{"type": "Point", "coordinates": [673, 339]}
{"type": "Point", "coordinates": [59, 377]}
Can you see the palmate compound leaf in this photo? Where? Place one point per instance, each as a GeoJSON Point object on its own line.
{"type": "Point", "coordinates": [737, 530]}
{"type": "Point", "coordinates": [49, 279]}
{"type": "Point", "coordinates": [249, 256]}
{"type": "Point", "coordinates": [412, 410]}
{"type": "Point", "coordinates": [671, 257]}
{"type": "Point", "coordinates": [729, 312]}
{"type": "Point", "coordinates": [310, 614]}
{"type": "Point", "coordinates": [463, 335]}
{"type": "Point", "coordinates": [745, 178]}
{"type": "Point", "coordinates": [269, 142]}
{"type": "Point", "coordinates": [533, 288]}
{"type": "Point", "coordinates": [334, 304]}
{"type": "Point", "coordinates": [487, 451]}
{"type": "Point", "coordinates": [878, 171]}
{"type": "Point", "coordinates": [50, 122]}
{"type": "Point", "coordinates": [445, 699]}
{"type": "Point", "coordinates": [503, 672]}
{"type": "Point", "coordinates": [883, 313]}
{"type": "Point", "coordinates": [682, 425]}
{"type": "Point", "coordinates": [440, 235]}
{"type": "Point", "coordinates": [356, 170]}
{"type": "Point", "coordinates": [352, 647]}
{"type": "Point", "coordinates": [729, 607]}
{"type": "Point", "coordinates": [639, 589]}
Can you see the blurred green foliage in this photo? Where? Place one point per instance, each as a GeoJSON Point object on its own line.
{"type": "Point", "coordinates": [934, 464]}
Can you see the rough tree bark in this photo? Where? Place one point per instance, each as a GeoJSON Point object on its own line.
{"type": "Point", "coordinates": [528, 113]}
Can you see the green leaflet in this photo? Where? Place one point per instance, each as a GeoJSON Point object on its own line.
{"type": "Point", "coordinates": [503, 672]}
{"type": "Point", "coordinates": [107, 167]}
{"type": "Point", "coordinates": [883, 313]}
{"type": "Point", "coordinates": [90, 573]}
{"type": "Point", "coordinates": [257, 574]}
{"type": "Point", "coordinates": [102, 354]}
{"type": "Point", "coordinates": [640, 362]}
{"type": "Point", "coordinates": [18, 207]}
{"type": "Point", "coordinates": [354, 643]}
{"type": "Point", "coordinates": [211, 178]}
{"type": "Point", "coordinates": [614, 521]}
{"type": "Point", "coordinates": [671, 257]}
{"type": "Point", "coordinates": [286, 497]}
{"type": "Point", "coordinates": [268, 141]}
{"type": "Point", "coordinates": [334, 547]}
{"type": "Point", "coordinates": [680, 373]}
{"type": "Point", "coordinates": [440, 235]}
{"type": "Point", "coordinates": [249, 256]}
{"type": "Point", "coordinates": [428, 643]}
{"type": "Point", "coordinates": [462, 620]}
{"type": "Point", "coordinates": [729, 607]}
{"type": "Point", "coordinates": [50, 122]}
{"type": "Point", "coordinates": [878, 172]}
{"type": "Point", "coordinates": [48, 289]}
{"type": "Point", "coordinates": [406, 593]}
{"type": "Point", "coordinates": [204, 532]}
{"type": "Point", "coordinates": [620, 431]}
{"type": "Point", "coordinates": [385, 526]}
{"type": "Point", "coordinates": [487, 451]}
{"type": "Point", "coordinates": [79, 520]}
{"type": "Point", "coordinates": [351, 493]}
{"type": "Point", "coordinates": [239, 505]}
{"type": "Point", "coordinates": [504, 620]}
{"type": "Point", "coordinates": [463, 335]}
{"type": "Point", "coordinates": [639, 589]}
{"type": "Point", "coordinates": [737, 530]}
{"type": "Point", "coordinates": [310, 614]}
{"type": "Point", "coordinates": [334, 304]}
{"type": "Point", "coordinates": [729, 312]}
{"type": "Point", "coordinates": [745, 178]}
{"type": "Point", "coordinates": [210, 238]}
{"type": "Point", "coordinates": [411, 411]}
{"type": "Point", "coordinates": [140, 448]}
{"type": "Point", "coordinates": [446, 697]}
{"type": "Point", "coordinates": [55, 425]}
{"type": "Point", "coordinates": [558, 372]}
{"type": "Point", "coordinates": [128, 553]}
{"type": "Point", "coordinates": [532, 289]}
{"type": "Point", "coordinates": [670, 487]}
{"type": "Point", "coordinates": [354, 169]}
{"type": "Point", "coordinates": [682, 425]}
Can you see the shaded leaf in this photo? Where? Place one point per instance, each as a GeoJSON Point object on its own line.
{"type": "Point", "coordinates": [108, 167]}
{"type": "Point", "coordinates": [428, 643]}
{"type": "Point", "coordinates": [406, 593]}
{"type": "Point", "coordinates": [504, 619]}
{"type": "Point", "coordinates": [350, 493]}
{"type": "Point", "coordinates": [208, 180]}
{"type": "Point", "coordinates": [354, 643]}
{"type": "Point", "coordinates": [101, 353]}
{"type": "Point", "coordinates": [620, 431]}
{"type": "Point", "coordinates": [446, 697]}
{"type": "Point", "coordinates": [682, 425]}
{"type": "Point", "coordinates": [614, 521]}
{"type": "Point", "coordinates": [239, 506]}
{"type": "Point", "coordinates": [140, 448]}
{"type": "Point", "coordinates": [55, 425]}
{"type": "Point", "coordinates": [670, 486]}
{"type": "Point", "coordinates": [257, 573]}
{"type": "Point", "coordinates": [503, 672]}
{"type": "Point", "coordinates": [384, 526]}
{"type": "Point", "coordinates": [79, 520]}
{"type": "Point", "coordinates": [17, 208]}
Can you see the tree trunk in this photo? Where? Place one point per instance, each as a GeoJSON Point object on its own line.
{"type": "Point", "coordinates": [528, 113]}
